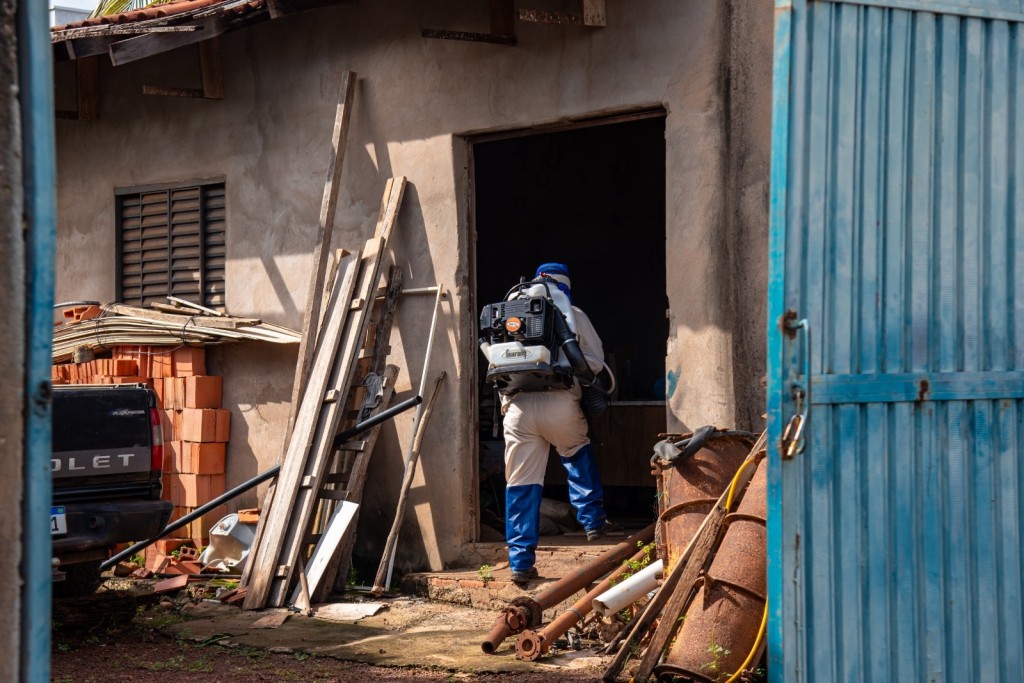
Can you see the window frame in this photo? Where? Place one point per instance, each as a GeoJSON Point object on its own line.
{"type": "Point", "coordinates": [201, 184]}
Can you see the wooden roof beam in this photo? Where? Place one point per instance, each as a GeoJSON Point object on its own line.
{"type": "Point", "coordinates": [591, 14]}
{"type": "Point", "coordinates": [503, 27]}
{"type": "Point", "coordinates": [210, 70]}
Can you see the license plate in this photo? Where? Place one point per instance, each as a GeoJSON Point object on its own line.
{"type": "Point", "coordinates": [58, 520]}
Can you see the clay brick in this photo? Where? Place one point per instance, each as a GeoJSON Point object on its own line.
{"type": "Point", "coordinates": [198, 424]}
{"type": "Point", "coordinates": [124, 367]}
{"type": "Point", "coordinates": [249, 516]}
{"type": "Point", "coordinates": [172, 488]}
{"type": "Point", "coordinates": [202, 391]}
{"type": "Point", "coordinates": [199, 528]}
{"type": "Point", "coordinates": [133, 354]}
{"type": "Point", "coordinates": [167, 418]}
{"type": "Point", "coordinates": [191, 566]}
{"type": "Point", "coordinates": [204, 458]}
{"type": "Point", "coordinates": [223, 430]}
{"type": "Point", "coordinates": [158, 388]}
{"type": "Point", "coordinates": [172, 584]}
{"type": "Point", "coordinates": [189, 361]}
{"type": "Point", "coordinates": [199, 489]}
{"type": "Point", "coordinates": [169, 545]}
{"type": "Point", "coordinates": [172, 455]}
{"type": "Point", "coordinates": [174, 392]}
{"type": "Point", "coordinates": [205, 424]}
{"type": "Point", "coordinates": [162, 364]}
{"type": "Point", "coordinates": [156, 561]}
{"type": "Point", "coordinates": [129, 380]}
{"type": "Point", "coordinates": [180, 533]}
{"type": "Point", "coordinates": [86, 312]}
{"type": "Point", "coordinates": [187, 553]}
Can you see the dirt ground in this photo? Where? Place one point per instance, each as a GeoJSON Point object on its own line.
{"type": "Point", "coordinates": [144, 638]}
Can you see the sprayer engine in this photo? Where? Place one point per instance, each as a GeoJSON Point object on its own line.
{"type": "Point", "coordinates": [519, 339]}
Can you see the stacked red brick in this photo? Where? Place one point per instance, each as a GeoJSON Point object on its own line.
{"type": "Point", "coordinates": [196, 432]}
{"type": "Point", "coordinates": [195, 427]}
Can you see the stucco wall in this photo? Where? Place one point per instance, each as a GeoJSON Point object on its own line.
{"type": "Point", "coordinates": [268, 138]}
{"type": "Point", "coordinates": [12, 360]}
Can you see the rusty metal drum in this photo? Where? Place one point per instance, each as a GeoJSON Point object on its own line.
{"type": "Point", "coordinates": [689, 487]}
{"type": "Point", "coordinates": [721, 625]}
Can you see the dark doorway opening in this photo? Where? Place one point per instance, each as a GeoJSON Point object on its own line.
{"type": "Point", "coordinates": [593, 197]}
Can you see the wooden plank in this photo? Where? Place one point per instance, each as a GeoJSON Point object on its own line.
{"type": "Point", "coordinates": [593, 13]}
{"type": "Point", "coordinates": [168, 91]}
{"type": "Point", "coordinates": [278, 509]}
{"type": "Point", "coordinates": [380, 583]}
{"type": "Point", "coordinates": [693, 561]}
{"type": "Point", "coordinates": [74, 34]}
{"type": "Point", "coordinates": [222, 322]}
{"type": "Point", "coordinates": [328, 415]}
{"type": "Point", "coordinates": [210, 69]}
{"type": "Point", "coordinates": [322, 244]}
{"type": "Point", "coordinates": [337, 569]}
{"type": "Point", "coordinates": [503, 18]}
{"type": "Point", "coordinates": [272, 620]}
{"type": "Point", "coordinates": [540, 16]}
{"type": "Point", "coordinates": [468, 36]}
{"type": "Point", "coordinates": [131, 50]}
{"type": "Point", "coordinates": [88, 88]}
{"type": "Point", "coordinates": [311, 316]}
{"type": "Point", "coordinates": [326, 547]}
{"type": "Point", "coordinates": [87, 47]}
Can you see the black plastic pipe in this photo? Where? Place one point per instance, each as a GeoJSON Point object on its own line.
{"type": "Point", "coordinates": [341, 438]}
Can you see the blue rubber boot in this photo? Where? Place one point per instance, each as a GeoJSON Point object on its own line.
{"type": "Point", "coordinates": [585, 491]}
{"type": "Point", "coordinates": [522, 524]}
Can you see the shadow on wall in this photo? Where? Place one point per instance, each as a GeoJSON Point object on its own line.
{"type": "Point", "coordinates": [257, 391]}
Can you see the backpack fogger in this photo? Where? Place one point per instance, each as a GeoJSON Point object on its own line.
{"type": "Point", "coordinates": [529, 341]}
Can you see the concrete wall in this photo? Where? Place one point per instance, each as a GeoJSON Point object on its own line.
{"type": "Point", "coordinates": [12, 360]}
{"type": "Point", "coordinates": [415, 97]}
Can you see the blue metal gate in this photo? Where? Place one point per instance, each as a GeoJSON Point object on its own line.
{"type": "Point", "coordinates": [896, 309]}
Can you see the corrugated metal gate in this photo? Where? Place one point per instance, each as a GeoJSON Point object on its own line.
{"type": "Point", "coordinates": [898, 235]}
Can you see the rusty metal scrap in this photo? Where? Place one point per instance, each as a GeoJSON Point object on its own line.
{"type": "Point", "coordinates": [533, 644]}
{"type": "Point", "coordinates": [525, 612]}
{"type": "Point", "coordinates": [722, 622]}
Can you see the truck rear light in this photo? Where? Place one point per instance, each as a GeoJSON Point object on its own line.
{"type": "Point", "coordinates": [156, 460]}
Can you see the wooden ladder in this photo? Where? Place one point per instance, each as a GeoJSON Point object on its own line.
{"type": "Point", "coordinates": [284, 535]}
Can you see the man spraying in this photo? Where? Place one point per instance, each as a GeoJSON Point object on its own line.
{"type": "Point", "coordinates": [543, 356]}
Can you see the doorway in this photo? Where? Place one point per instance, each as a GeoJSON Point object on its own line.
{"type": "Point", "coordinates": [590, 195]}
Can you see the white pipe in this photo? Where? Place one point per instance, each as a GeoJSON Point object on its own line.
{"type": "Point", "coordinates": [629, 591]}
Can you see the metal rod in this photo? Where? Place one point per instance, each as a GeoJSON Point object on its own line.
{"type": "Point", "coordinates": [422, 290]}
{"type": "Point", "coordinates": [198, 512]}
{"type": "Point", "coordinates": [532, 644]}
{"type": "Point", "coordinates": [416, 419]}
{"type": "Point", "coordinates": [382, 416]}
{"type": "Point", "coordinates": [524, 613]}
{"type": "Point", "coordinates": [258, 479]}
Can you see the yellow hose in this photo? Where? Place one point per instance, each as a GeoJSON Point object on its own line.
{"type": "Point", "coordinates": [764, 617]}
{"type": "Point", "coordinates": [753, 650]}
{"type": "Point", "coordinates": [735, 478]}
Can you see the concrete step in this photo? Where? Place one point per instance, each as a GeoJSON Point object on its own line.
{"type": "Point", "coordinates": [483, 579]}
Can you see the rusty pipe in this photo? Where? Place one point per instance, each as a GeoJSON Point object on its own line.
{"type": "Point", "coordinates": [525, 612]}
{"type": "Point", "coordinates": [532, 644]}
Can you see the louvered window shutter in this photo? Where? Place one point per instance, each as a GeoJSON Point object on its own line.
{"type": "Point", "coordinates": [172, 242]}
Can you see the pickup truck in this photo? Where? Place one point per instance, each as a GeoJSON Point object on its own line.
{"type": "Point", "coordinates": [107, 466]}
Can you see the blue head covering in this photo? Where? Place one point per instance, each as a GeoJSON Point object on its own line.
{"type": "Point", "coordinates": [560, 273]}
